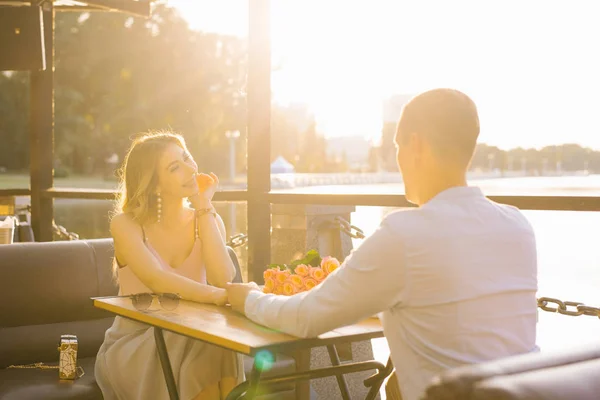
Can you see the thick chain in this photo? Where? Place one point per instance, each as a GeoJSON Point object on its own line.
{"type": "Point", "coordinates": [63, 233]}
{"type": "Point", "coordinates": [237, 240]}
{"type": "Point", "coordinates": [571, 308]}
{"type": "Point", "coordinates": [349, 229]}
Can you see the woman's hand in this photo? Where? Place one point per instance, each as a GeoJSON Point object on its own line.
{"type": "Point", "coordinates": [207, 186]}
{"type": "Point", "coordinates": [220, 297]}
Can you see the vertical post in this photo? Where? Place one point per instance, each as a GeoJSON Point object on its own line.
{"type": "Point", "coordinates": [41, 135]}
{"type": "Point", "coordinates": [259, 141]}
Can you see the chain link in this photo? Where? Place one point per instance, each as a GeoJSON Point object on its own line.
{"type": "Point", "coordinates": [37, 365]}
{"type": "Point", "coordinates": [237, 240]}
{"type": "Point", "coordinates": [63, 233]}
{"type": "Point", "coordinates": [571, 308]}
{"type": "Point", "coordinates": [349, 229]}
{"type": "Point", "coordinates": [79, 371]}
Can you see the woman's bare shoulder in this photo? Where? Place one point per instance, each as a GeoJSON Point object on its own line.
{"type": "Point", "coordinates": [123, 224]}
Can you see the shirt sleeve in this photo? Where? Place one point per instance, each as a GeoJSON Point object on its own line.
{"type": "Point", "coordinates": [370, 280]}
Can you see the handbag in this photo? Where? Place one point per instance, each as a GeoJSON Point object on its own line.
{"type": "Point", "coordinates": [67, 361]}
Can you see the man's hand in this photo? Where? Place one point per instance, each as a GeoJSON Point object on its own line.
{"type": "Point", "coordinates": [237, 294]}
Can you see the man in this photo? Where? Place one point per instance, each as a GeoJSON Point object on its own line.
{"type": "Point", "coordinates": [454, 278]}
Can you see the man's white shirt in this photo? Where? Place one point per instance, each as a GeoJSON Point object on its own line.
{"type": "Point", "coordinates": [455, 281]}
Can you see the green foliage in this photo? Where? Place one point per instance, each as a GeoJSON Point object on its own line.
{"type": "Point", "coordinates": [117, 75]}
{"type": "Point", "coordinates": [61, 172]}
{"type": "Point", "coordinates": [311, 258]}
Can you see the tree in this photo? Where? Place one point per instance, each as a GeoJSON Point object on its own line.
{"type": "Point", "coordinates": [117, 75]}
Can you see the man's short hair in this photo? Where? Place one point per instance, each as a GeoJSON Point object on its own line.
{"type": "Point", "coordinates": [447, 118]}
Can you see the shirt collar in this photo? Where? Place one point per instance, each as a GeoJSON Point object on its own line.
{"type": "Point", "coordinates": [456, 193]}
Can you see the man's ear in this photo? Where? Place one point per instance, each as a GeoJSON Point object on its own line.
{"type": "Point", "coordinates": [417, 146]}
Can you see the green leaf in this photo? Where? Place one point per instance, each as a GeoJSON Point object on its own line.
{"type": "Point", "coordinates": [311, 258]}
{"type": "Point", "coordinates": [280, 267]}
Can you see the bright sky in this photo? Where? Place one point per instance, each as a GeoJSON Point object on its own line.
{"type": "Point", "coordinates": [532, 66]}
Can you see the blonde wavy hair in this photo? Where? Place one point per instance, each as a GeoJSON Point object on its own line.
{"type": "Point", "coordinates": [138, 175]}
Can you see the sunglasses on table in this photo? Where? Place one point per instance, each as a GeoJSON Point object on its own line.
{"type": "Point", "coordinates": [143, 301]}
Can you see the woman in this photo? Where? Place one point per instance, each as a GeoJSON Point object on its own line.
{"type": "Point", "coordinates": [164, 246]}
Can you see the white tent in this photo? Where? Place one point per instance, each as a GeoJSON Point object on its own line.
{"type": "Point", "coordinates": [281, 166]}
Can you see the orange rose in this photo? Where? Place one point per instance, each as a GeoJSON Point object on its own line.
{"type": "Point", "coordinates": [267, 290]}
{"type": "Point", "coordinates": [289, 288]}
{"type": "Point", "coordinates": [269, 274]}
{"type": "Point", "coordinates": [297, 281]}
{"type": "Point", "coordinates": [269, 285]}
{"type": "Point", "coordinates": [329, 264]}
{"type": "Point", "coordinates": [281, 276]}
{"type": "Point", "coordinates": [278, 289]}
{"type": "Point", "coordinates": [317, 274]}
{"type": "Point", "coordinates": [302, 270]}
{"type": "Point", "coordinates": [309, 283]}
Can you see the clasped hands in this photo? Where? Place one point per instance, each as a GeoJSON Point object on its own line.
{"type": "Point", "coordinates": [237, 293]}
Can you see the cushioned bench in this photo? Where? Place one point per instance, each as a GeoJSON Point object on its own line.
{"type": "Point", "coordinates": [45, 291]}
{"type": "Point", "coordinates": [569, 374]}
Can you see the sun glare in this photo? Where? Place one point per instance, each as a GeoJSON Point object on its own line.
{"type": "Point", "coordinates": [528, 65]}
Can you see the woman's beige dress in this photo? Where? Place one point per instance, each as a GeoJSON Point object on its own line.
{"type": "Point", "coordinates": [128, 367]}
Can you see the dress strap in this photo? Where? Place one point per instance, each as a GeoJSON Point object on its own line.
{"type": "Point", "coordinates": [118, 263]}
{"type": "Point", "coordinates": [144, 234]}
{"type": "Point", "coordinates": [196, 235]}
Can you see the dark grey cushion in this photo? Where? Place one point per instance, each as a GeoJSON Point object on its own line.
{"type": "Point", "coordinates": [580, 381]}
{"type": "Point", "coordinates": [459, 383]}
{"type": "Point", "coordinates": [35, 384]}
{"type": "Point", "coordinates": [46, 290]}
{"type": "Point", "coordinates": [45, 283]}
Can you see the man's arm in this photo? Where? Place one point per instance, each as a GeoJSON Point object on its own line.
{"type": "Point", "coordinates": [371, 280]}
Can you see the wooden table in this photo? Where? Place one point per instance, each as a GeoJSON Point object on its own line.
{"type": "Point", "coordinates": [225, 328]}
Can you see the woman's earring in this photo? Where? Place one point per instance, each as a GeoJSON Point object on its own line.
{"type": "Point", "coordinates": [158, 207]}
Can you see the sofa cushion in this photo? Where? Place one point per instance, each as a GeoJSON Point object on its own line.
{"type": "Point", "coordinates": [458, 383]}
{"type": "Point", "coordinates": [579, 381]}
{"type": "Point", "coordinates": [35, 384]}
{"type": "Point", "coordinates": [45, 283]}
{"type": "Point", "coordinates": [38, 343]}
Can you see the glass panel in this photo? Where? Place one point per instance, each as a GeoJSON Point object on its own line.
{"type": "Point", "coordinates": [89, 219]}
{"type": "Point", "coordinates": [14, 130]}
{"type": "Point", "coordinates": [175, 71]}
{"type": "Point", "coordinates": [234, 216]}
{"type": "Point", "coordinates": [338, 93]}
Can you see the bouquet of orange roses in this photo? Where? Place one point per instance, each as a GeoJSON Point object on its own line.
{"type": "Point", "coordinates": [299, 276]}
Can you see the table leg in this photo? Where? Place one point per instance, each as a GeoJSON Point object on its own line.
{"type": "Point", "coordinates": [165, 363]}
{"type": "Point", "coordinates": [335, 360]}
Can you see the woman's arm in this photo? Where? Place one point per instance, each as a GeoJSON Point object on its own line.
{"type": "Point", "coordinates": [133, 251]}
{"type": "Point", "coordinates": [219, 267]}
